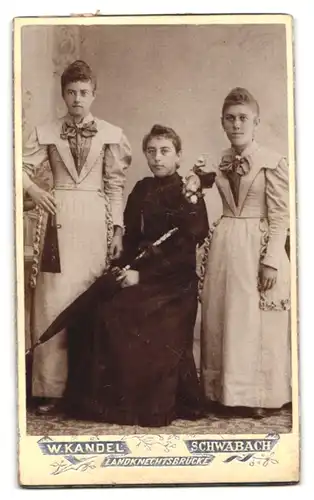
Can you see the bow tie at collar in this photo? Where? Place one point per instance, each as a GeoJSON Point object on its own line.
{"type": "Point", "coordinates": [239, 164]}
{"type": "Point", "coordinates": [71, 130]}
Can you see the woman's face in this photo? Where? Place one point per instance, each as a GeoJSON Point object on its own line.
{"type": "Point", "coordinates": [78, 97]}
{"type": "Point", "coordinates": [162, 157]}
{"type": "Point", "coordinates": [239, 122]}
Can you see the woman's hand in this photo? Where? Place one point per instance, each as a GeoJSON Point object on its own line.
{"type": "Point", "coordinates": [116, 246]}
{"type": "Point", "coordinates": [130, 278]}
{"type": "Point", "coordinates": [43, 199]}
{"type": "Point", "coordinates": [268, 277]}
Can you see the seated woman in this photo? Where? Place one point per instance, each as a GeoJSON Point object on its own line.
{"type": "Point", "coordinates": [131, 360]}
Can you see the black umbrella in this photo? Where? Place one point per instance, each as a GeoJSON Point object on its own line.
{"type": "Point", "coordinates": [105, 286]}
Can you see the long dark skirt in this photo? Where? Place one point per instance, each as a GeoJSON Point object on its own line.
{"type": "Point", "coordinates": [131, 360]}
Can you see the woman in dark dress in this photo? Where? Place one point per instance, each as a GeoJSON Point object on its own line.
{"type": "Point", "coordinates": [131, 360]}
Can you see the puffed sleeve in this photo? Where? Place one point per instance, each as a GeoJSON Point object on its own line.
{"type": "Point", "coordinates": [34, 155]}
{"type": "Point", "coordinates": [277, 201]}
{"type": "Point", "coordinates": [117, 159]}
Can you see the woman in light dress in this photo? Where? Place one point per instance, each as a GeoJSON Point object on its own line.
{"type": "Point", "coordinates": [88, 158]}
{"type": "Point", "coordinates": [245, 286]}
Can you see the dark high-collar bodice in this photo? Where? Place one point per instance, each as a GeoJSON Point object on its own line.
{"type": "Point", "coordinates": [154, 207]}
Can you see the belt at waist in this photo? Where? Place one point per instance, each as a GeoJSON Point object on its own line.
{"type": "Point", "coordinates": [77, 187]}
{"type": "Point", "coordinates": [257, 217]}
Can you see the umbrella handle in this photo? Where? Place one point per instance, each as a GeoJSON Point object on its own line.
{"type": "Point", "coordinates": [156, 243]}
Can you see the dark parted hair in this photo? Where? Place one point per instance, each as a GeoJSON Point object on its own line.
{"type": "Point", "coordinates": [78, 71]}
{"type": "Point", "coordinates": [167, 133]}
{"type": "Point", "coordinates": [239, 95]}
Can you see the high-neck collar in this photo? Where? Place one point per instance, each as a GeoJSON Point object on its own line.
{"type": "Point", "coordinates": [248, 151]}
{"type": "Point", "coordinates": [168, 179]}
{"type": "Point", "coordinates": [69, 119]}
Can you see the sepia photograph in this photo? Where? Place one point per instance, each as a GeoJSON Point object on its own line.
{"type": "Point", "coordinates": [156, 249]}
